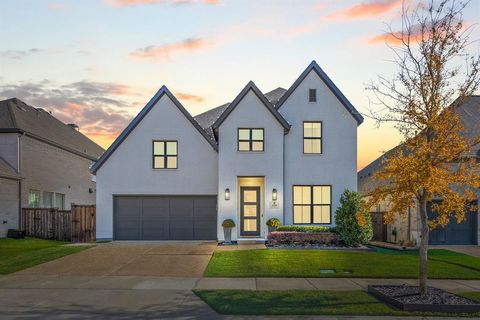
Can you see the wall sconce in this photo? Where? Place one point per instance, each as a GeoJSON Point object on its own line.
{"type": "Point", "coordinates": [227, 194]}
{"type": "Point", "coordinates": [274, 194]}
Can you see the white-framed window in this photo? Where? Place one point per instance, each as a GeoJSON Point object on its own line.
{"type": "Point", "coordinates": [33, 199]}
{"type": "Point", "coordinates": [47, 199]}
{"type": "Point", "coordinates": [60, 201]}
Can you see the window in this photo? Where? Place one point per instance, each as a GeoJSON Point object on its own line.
{"type": "Point", "coordinates": [33, 199]}
{"type": "Point", "coordinates": [60, 201]}
{"type": "Point", "coordinates": [250, 139]}
{"type": "Point", "coordinates": [47, 199]}
{"type": "Point", "coordinates": [312, 137]}
{"type": "Point", "coordinates": [165, 155]}
{"type": "Point", "coordinates": [312, 95]}
{"type": "Point", "coordinates": [312, 204]}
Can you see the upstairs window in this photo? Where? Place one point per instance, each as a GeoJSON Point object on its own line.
{"type": "Point", "coordinates": [47, 199]}
{"type": "Point", "coordinates": [250, 139]}
{"type": "Point", "coordinates": [312, 204]}
{"type": "Point", "coordinates": [312, 137]}
{"type": "Point", "coordinates": [165, 154]}
{"type": "Point", "coordinates": [60, 201]}
{"type": "Point", "coordinates": [312, 95]}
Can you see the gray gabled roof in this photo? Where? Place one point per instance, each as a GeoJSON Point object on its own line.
{"type": "Point", "coordinates": [208, 118]}
{"type": "Point", "coordinates": [263, 99]}
{"type": "Point", "coordinates": [469, 112]}
{"type": "Point", "coordinates": [313, 66]}
{"type": "Point", "coordinates": [139, 117]}
{"type": "Point", "coordinates": [17, 116]}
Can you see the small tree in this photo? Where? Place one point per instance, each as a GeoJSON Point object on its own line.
{"type": "Point", "coordinates": [353, 221]}
{"type": "Point", "coordinates": [433, 160]}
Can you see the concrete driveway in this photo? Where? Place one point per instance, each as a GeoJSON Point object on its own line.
{"type": "Point", "coordinates": [471, 250]}
{"type": "Point", "coordinates": [156, 259]}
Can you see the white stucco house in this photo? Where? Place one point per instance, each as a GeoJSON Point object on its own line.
{"type": "Point", "coordinates": [287, 154]}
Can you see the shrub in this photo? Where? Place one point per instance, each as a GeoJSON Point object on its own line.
{"type": "Point", "coordinates": [273, 222]}
{"type": "Point", "coordinates": [322, 238]}
{"type": "Point", "coordinates": [228, 223]}
{"type": "Point", "coordinates": [354, 223]}
{"type": "Point", "coordinates": [306, 229]}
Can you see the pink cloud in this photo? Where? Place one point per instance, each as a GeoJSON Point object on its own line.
{"type": "Point", "coordinates": [188, 97]}
{"type": "Point", "coordinates": [56, 6]}
{"type": "Point", "coordinates": [166, 52]}
{"type": "Point", "coordinates": [367, 9]}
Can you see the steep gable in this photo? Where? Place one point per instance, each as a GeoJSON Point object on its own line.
{"type": "Point", "coordinates": [251, 87]}
{"type": "Point", "coordinates": [141, 115]}
{"type": "Point", "coordinates": [329, 83]}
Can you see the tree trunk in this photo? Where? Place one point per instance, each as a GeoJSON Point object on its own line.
{"type": "Point", "coordinates": [423, 252]}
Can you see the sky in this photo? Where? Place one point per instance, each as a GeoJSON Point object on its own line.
{"type": "Point", "coordinates": [96, 63]}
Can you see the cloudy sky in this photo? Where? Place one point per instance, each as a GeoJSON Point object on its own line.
{"type": "Point", "coordinates": [97, 62]}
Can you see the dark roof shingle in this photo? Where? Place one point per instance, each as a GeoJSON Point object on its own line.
{"type": "Point", "coordinates": [16, 115]}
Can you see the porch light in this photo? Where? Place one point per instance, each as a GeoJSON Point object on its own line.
{"type": "Point", "coordinates": [274, 194]}
{"type": "Point", "coordinates": [227, 194]}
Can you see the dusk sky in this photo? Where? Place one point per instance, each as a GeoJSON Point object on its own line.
{"type": "Point", "coordinates": [97, 62]}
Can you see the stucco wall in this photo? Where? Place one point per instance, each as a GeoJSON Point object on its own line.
{"type": "Point", "coordinates": [337, 165]}
{"type": "Point", "coordinates": [249, 113]}
{"type": "Point", "coordinates": [129, 171]}
{"type": "Point", "coordinates": [8, 205]}
{"type": "Point", "coordinates": [48, 168]}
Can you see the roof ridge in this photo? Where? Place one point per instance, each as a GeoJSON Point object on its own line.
{"type": "Point", "coordinates": [10, 111]}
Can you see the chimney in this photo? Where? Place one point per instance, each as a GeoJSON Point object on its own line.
{"type": "Point", "coordinates": [73, 126]}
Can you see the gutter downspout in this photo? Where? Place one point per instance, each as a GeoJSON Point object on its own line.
{"type": "Point", "coordinates": [283, 187]}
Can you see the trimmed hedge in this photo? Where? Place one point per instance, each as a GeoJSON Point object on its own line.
{"type": "Point", "coordinates": [318, 238]}
{"type": "Point", "coordinates": [306, 229]}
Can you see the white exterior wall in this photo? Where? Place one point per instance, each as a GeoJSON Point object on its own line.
{"type": "Point", "coordinates": [129, 171]}
{"type": "Point", "coordinates": [337, 165]}
{"type": "Point", "coordinates": [249, 113]}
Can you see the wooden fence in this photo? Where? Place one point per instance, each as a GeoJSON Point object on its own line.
{"type": "Point", "coordinates": [75, 225]}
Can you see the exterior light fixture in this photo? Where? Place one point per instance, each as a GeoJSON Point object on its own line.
{"type": "Point", "coordinates": [274, 194]}
{"type": "Point", "coordinates": [227, 194]}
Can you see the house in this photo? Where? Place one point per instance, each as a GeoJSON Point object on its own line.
{"type": "Point", "coordinates": [43, 162]}
{"type": "Point", "coordinates": [406, 228]}
{"type": "Point", "coordinates": [287, 154]}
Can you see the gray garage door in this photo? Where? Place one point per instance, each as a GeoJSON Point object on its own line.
{"type": "Point", "coordinates": [455, 233]}
{"type": "Point", "coordinates": [165, 218]}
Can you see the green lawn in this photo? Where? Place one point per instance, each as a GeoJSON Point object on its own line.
{"type": "Point", "coordinates": [247, 302]}
{"type": "Point", "coordinates": [18, 254]}
{"type": "Point", "coordinates": [443, 264]}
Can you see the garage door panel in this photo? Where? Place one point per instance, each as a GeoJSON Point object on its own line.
{"type": "Point", "coordinates": [203, 213]}
{"type": "Point", "coordinates": [155, 207]}
{"type": "Point", "coordinates": [129, 229]}
{"type": "Point", "coordinates": [181, 207]}
{"type": "Point", "coordinates": [203, 229]}
{"type": "Point", "coordinates": [155, 229]}
{"type": "Point", "coordinates": [201, 202]}
{"type": "Point", "coordinates": [454, 233]}
{"type": "Point", "coordinates": [129, 207]}
{"type": "Point", "coordinates": [181, 230]}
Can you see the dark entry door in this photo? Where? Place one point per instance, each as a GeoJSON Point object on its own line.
{"type": "Point", "coordinates": [250, 211]}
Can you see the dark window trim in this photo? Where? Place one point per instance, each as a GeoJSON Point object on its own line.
{"type": "Point", "coordinates": [310, 91]}
{"type": "Point", "coordinates": [313, 138]}
{"type": "Point", "coordinates": [164, 156]}
{"type": "Point", "coordinates": [311, 205]}
{"type": "Point", "coordinates": [251, 140]}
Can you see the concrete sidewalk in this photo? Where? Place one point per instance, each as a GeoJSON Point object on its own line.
{"type": "Point", "coordinates": [24, 281]}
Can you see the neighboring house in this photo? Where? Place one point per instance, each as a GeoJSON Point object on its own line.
{"type": "Point", "coordinates": [407, 226]}
{"type": "Point", "coordinates": [287, 154]}
{"type": "Point", "coordinates": [43, 162]}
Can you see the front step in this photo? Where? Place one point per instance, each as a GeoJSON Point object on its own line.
{"type": "Point", "coordinates": [250, 241]}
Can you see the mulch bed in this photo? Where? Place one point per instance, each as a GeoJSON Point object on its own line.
{"type": "Point", "coordinates": [408, 298]}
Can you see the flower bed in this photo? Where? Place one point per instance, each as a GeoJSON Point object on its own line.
{"type": "Point", "coordinates": [292, 238]}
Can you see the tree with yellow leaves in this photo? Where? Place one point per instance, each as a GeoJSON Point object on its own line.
{"type": "Point", "coordinates": [435, 74]}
